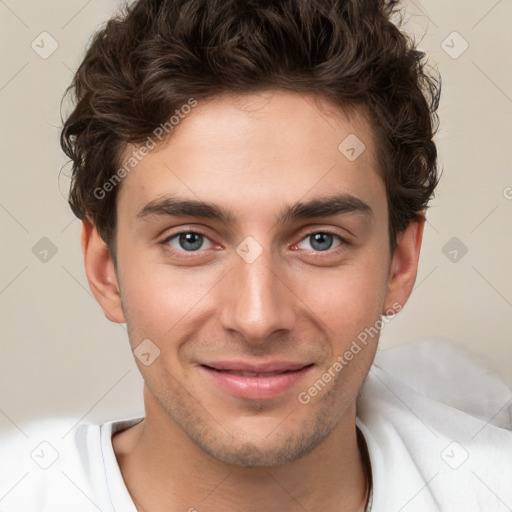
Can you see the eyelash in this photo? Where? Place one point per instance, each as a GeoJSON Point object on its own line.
{"type": "Point", "coordinates": [343, 245]}
{"type": "Point", "coordinates": [180, 254]}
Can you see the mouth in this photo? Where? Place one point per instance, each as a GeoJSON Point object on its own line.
{"type": "Point", "coordinates": [255, 381]}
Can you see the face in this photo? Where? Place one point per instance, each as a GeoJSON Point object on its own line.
{"type": "Point", "coordinates": [252, 252]}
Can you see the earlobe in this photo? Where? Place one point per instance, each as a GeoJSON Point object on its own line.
{"type": "Point", "coordinates": [100, 272]}
{"type": "Point", "coordinates": [404, 266]}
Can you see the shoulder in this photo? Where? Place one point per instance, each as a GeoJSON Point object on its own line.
{"type": "Point", "coordinates": [436, 419]}
{"type": "Point", "coordinates": [46, 465]}
{"type": "Point", "coordinates": [447, 372]}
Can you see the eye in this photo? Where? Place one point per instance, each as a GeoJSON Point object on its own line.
{"type": "Point", "coordinates": [321, 241]}
{"type": "Point", "coordinates": [188, 241]}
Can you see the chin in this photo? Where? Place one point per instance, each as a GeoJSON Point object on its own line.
{"type": "Point", "coordinates": [262, 451]}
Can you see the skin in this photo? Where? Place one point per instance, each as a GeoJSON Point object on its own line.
{"type": "Point", "coordinates": [200, 447]}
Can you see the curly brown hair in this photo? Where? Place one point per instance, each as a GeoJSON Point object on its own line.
{"type": "Point", "coordinates": [155, 55]}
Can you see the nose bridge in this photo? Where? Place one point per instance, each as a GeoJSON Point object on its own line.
{"type": "Point", "coordinates": [256, 302]}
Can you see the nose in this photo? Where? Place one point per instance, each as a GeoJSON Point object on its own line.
{"type": "Point", "coordinates": [256, 299]}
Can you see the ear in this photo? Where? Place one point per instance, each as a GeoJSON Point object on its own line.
{"type": "Point", "coordinates": [100, 271]}
{"type": "Point", "coordinates": [404, 266]}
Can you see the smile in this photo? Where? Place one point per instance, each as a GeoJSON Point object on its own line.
{"type": "Point", "coordinates": [252, 382]}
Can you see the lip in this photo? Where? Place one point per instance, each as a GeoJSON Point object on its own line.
{"type": "Point", "coordinates": [271, 379]}
{"type": "Point", "coordinates": [262, 367]}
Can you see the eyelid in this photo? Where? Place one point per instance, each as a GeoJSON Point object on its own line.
{"type": "Point", "coordinates": [185, 231]}
{"type": "Point", "coordinates": [327, 231]}
{"type": "Point", "coordinates": [165, 242]}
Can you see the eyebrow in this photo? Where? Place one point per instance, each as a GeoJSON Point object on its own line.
{"type": "Point", "coordinates": [320, 207]}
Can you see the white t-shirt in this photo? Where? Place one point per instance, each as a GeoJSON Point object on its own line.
{"type": "Point", "coordinates": [426, 454]}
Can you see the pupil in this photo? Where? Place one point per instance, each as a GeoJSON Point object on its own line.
{"type": "Point", "coordinates": [191, 241]}
{"type": "Point", "coordinates": [321, 241]}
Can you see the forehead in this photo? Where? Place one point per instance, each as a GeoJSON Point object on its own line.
{"type": "Point", "coordinates": [259, 151]}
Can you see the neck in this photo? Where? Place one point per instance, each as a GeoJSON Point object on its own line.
{"type": "Point", "coordinates": [165, 470]}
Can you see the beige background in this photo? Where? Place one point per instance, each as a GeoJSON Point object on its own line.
{"type": "Point", "coordinates": [60, 356]}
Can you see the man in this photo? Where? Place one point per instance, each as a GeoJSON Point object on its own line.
{"type": "Point", "coordinates": [252, 178]}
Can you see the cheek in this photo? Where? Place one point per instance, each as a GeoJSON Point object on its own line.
{"type": "Point", "coordinates": [165, 301]}
{"type": "Point", "coordinates": [160, 300]}
{"type": "Point", "coordinates": [346, 300]}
